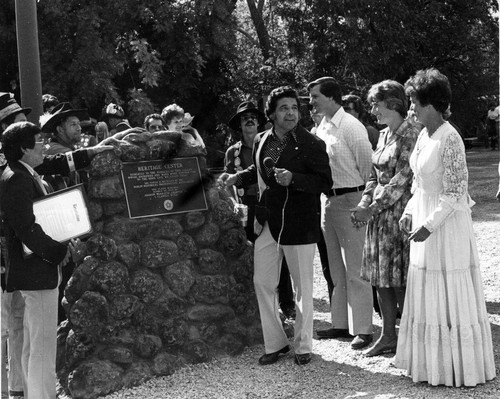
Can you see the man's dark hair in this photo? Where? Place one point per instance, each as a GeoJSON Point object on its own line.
{"type": "Point", "coordinates": [356, 101]}
{"type": "Point", "coordinates": [329, 87]}
{"type": "Point", "coordinates": [16, 137]}
{"type": "Point", "coordinates": [279, 93]}
{"type": "Point", "coordinates": [150, 117]}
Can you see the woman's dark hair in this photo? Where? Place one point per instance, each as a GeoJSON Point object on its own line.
{"type": "Point", "coordinates": [430, 86]}
{"type": "Point", "coordinates": [170, 112]}
{"type": "Point", "coordinates": [16, 137]}
{"type": "Point", "coordinates": [277, 94]}
{"type": "Point", "coordinates": [392, 93]}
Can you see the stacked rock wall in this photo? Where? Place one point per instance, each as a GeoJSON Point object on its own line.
{"type": "Point", "coordinates": [152, 294]}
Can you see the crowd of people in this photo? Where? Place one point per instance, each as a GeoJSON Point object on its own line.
{"type": "Point", "coordinates": [37, 160]}
{"type": "Point", "coordinates": [394, 215]}
{"type": "Point", "coordinates": [388, 212]}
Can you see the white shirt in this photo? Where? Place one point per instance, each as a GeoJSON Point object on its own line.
{"type": "Point", "coordinates": [348, 148]}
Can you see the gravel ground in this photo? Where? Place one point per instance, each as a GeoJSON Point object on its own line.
{"type": "Point", "coordinates": [336, 371]}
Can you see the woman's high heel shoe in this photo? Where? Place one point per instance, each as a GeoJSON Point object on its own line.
{"type": "Point", "coordinates": [380, 348]}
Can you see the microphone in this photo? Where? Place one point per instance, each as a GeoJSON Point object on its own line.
{"type": "Point", "coordinates": [269, 163]}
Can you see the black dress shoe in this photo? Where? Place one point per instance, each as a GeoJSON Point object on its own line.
{"type": "Point", "coordinates": [270, 358]}
{"type": "Point", "coordinates": [302, 359]}
{"type": "Point", "coordinates": [333, 333]}
{"type": "Point", "coordinates": [361, 341]}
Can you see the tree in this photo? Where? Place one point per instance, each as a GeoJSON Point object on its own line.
{"type": "Point", "coordinates": [363, 42]}
{"type": "Point", "coordinates": [208, 55]}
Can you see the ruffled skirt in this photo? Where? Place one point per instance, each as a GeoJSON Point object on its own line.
{"type": "Point", "coordinates": [445, 334]}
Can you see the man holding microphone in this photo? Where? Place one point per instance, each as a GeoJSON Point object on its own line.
{"type": "Point", "coordinates": [292, 169]}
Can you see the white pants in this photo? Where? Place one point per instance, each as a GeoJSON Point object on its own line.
{"type": "Point", "coordinates": [267, 267]}
{"type": "Point", "coordinates": [12, 339]}
{"type": "Point", "coordinates": [40, 343]}
{"type": "Point", "coordinates": [352, 299]}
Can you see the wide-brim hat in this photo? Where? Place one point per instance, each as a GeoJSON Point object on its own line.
{"type": "Point", "coordinates": [246, 106]}
{"type": "Point", "coordinates": [9, 106]}
{"type": "Point", "coordinates": [62, 111]}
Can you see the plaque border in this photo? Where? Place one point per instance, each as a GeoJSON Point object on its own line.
{"type": "Point", "coordinates": [166, 213]}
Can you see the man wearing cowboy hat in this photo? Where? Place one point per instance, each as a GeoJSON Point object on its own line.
{"type": "Point", "coordinates": [64, 123]}
{"type": "Point", "coordinates": [11, 111]}
{"type": "Point", "coordinates": [246, 121]}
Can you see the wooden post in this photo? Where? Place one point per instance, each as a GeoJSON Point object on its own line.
{"type": "Point", "coordinates": [28, 54]}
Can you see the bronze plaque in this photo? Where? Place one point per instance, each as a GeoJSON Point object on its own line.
{"type": "Point", "coordinates": [154, 188]}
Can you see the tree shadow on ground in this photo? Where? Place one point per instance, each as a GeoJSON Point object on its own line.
{"type": "Point", "coordinates": [493, 307]}
{"type": "Point", "coordinates": [321, 305]}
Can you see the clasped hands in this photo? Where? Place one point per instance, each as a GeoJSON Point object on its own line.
{"type": "Point", "coordinates": [360, 216]}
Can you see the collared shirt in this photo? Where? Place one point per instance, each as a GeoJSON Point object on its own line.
{"type": "Point", "coordinates": [30, 169]}
{"type": "Point", "coordinates": [273, 147]}
{"type": "Point", "coordinates": [348, 148]}
{"type": "Point", "coordinates": [37, 178]}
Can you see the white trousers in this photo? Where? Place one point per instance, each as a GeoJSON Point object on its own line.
{"type": "Point", "coordinates": [267, 268]}
{"type": "Point", "coordinates": [40, 343]}
{"type": "Point", "coordinates": [352, 299]}
{"type": "Point", "coordinates": [12, 341]}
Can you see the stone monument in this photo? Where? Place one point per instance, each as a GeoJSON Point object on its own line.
{"type": "Point", "coordinates": [152, 293]}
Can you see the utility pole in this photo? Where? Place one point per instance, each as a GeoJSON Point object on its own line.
{"type": "Point", "coordinates": [28, 55]}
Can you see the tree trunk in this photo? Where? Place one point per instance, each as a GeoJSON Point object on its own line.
{"type": "Point", "coordinates": [260, 27]}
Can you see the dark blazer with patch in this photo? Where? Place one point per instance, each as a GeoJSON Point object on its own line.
{"type": "Point", "coordinates": [18, 190]}
{"type": "Point", "coordinates": [307, 159]}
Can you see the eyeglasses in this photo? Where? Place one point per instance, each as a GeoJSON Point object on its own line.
{"type": "Point", "coordinates": [43, 141]}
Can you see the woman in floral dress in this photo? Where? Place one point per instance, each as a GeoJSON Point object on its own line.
{"type": "Point", "coordinates": [445, 335]}
{"type": "Point", "coordinates": [386, 250]}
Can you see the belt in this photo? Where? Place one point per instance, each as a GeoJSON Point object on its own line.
{"type": "Point", "coordinates": [344, 190]}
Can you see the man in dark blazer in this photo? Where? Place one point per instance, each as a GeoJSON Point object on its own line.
{"type": "Point", "coordinates": [292, 169]}
{"type": "Point", "coordinates": [36, 276]}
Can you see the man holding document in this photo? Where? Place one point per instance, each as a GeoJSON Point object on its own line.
{"type": "Point", "coordinates": [38, 275]}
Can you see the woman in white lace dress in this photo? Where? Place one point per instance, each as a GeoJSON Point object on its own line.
{"type": "Point", "coordinates": [445, 335]}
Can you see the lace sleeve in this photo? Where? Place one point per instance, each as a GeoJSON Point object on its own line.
{"type": "Point", "coordinates": [455, 177]}
{"type": "Point", "coordinates": [455, 181]}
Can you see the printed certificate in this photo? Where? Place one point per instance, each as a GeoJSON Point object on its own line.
{"type": "Point", "coordinates": [63, 215]}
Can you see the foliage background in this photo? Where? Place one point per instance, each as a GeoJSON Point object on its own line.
{"type": "Point", "coordinates": [208, 55]}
